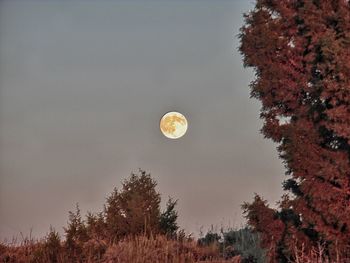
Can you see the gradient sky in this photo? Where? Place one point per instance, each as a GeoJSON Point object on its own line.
{"type": "Point", "coordinates": [83, 86]}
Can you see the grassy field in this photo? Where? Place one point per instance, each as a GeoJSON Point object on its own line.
{"type": "Point", "coordinates": [140, 249]}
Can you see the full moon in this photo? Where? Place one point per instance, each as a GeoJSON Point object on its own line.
{"type": "Point", "coordinates": [173, 125]}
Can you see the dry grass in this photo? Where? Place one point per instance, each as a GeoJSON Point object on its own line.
{"type": "Point", "coordinates": [140, 249]}
{"type": "Point", "coordinates": [317, 255]}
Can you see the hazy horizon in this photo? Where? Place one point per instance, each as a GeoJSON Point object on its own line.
{"type": "Point", "coordinates": [83, 86]}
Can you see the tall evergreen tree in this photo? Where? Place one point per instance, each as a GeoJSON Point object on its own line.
{"type": "Point", "coordinates": [168, 218]}
{"type": "Point", "coordinates": [135, 209]}
{"type": "Point", "coordinates": [300, 50]}
{"type": "Point", "coordinates": [76, 233]}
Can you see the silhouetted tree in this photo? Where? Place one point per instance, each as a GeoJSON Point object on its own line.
{"type": "Point", "coordinates": [130, 211]}
{"type": "Point", "coordinates": [76, 233]}
{"type": "Point", "coordinates": [168, 219]}
{"type": "Point", "coordinates": [266, 221]}
{"type": "Point", "coordinates": [300, 50]}
{"type": "Point", "coordinates": [95, 225]}
{"type": "Point", "coordinates": [52, 245]}
{"type": "Point", "coordinates": [135, 209]}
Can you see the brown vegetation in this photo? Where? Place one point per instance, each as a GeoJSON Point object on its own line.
{"type": "Point", "coordinates": [140, 249]}
{"type": "Point", "coordinates": [300, 51]}
{"type": "Point", "coordinates": [131, 228]}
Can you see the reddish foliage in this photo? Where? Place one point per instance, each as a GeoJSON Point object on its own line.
{"type": "Point", "coordinates": [301, 53]}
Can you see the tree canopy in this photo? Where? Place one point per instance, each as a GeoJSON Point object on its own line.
{"type": "Point", "coordinates": [132, 211]}
{"type": "Point", "coordinates": [300, 51]}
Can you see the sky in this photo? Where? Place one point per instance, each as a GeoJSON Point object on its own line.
{"type": "Point", "coordinates": [83, 85]}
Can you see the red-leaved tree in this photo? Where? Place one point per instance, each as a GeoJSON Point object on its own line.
{"type": "Point", "coordinates": [300, 50]}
